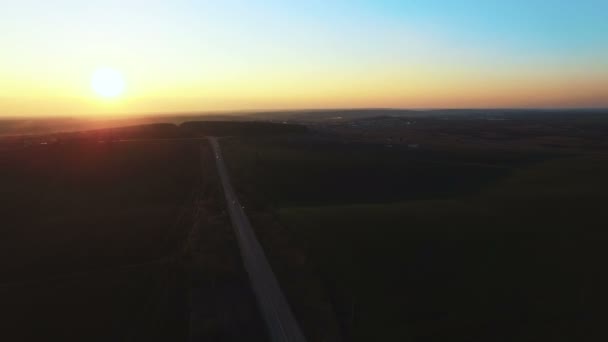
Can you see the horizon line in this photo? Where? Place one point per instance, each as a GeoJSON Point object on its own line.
{"type": "Point", "coordinates": [299, 110]}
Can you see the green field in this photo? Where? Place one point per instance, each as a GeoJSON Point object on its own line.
{"type": "Point", "coordinates": [91, 239]}
{"type": "Point", "coordinates": [459, 245]}
{"type": "Point", "coordinates": [118, 240]}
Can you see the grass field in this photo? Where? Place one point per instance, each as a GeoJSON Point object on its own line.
{"type": "Point", "coordinates": [77, 200]}
{"type": "Point", "coordinates": [91, 239]}
{"type": "Point", "coordinates": [120, 234]}
{"type": "Point", "coordinates": [459, 245]}
{"type": "Point", "coordinates": [331, 173]}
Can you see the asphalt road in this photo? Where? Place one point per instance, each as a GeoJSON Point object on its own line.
{"type": "Point", "coordinates": [279, 318]}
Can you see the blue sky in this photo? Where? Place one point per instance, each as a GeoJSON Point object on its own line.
{"type": "Point", "coordinates": [203, 54]}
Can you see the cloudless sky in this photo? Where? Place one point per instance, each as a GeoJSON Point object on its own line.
{"type": "Point", "coordinates": [179, 55]}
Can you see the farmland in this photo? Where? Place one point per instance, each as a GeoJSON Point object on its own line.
{"type": "Point", "coordinates": [118, 240]}
{"type": "Point", "coordinates": [456, 241]}
{"type": "Point", "coordinates": [378, 228]}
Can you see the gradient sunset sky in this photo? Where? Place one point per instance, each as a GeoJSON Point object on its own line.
{"type": "Point", "coordinates": [188, 56]}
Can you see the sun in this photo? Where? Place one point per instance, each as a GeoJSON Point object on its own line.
{"type": "Point", "coordinates": [107, 82]}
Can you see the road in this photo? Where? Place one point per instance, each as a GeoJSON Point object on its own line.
{"type": "Point", "coordinates": [279, 318]}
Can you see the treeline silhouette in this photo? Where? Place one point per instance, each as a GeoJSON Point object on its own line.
{"type": "Point", "coordinates": [192, 129]}
{"type": "Point", "coordinates": [240, 128]}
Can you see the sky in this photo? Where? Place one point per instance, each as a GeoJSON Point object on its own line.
{"type": "Point", "coordinates": [196, 56]}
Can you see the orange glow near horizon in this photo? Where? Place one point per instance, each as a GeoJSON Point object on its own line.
{"type": "Point", "coordinates": [413, 90]}
{"type": "Point", "coordinates": [206, 57]}
{"type": "Point", "coordinates": [381, 90]}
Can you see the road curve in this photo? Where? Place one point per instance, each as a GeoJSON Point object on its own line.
{"type": "Point", "coordinates": [279, 318]}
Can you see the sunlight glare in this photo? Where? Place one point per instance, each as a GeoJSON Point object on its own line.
{"type": "Point", "coordinates": [107, 83]}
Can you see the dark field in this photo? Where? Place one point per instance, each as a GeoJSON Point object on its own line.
{"type": "Point", "coordinates": [451, 227]}
{"type": "Point", "coordinates": [90, 236]}
{"type": "Point", "coordinates": [113, 241]}
{"type": "Point", "coordinates": [457, 241]}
